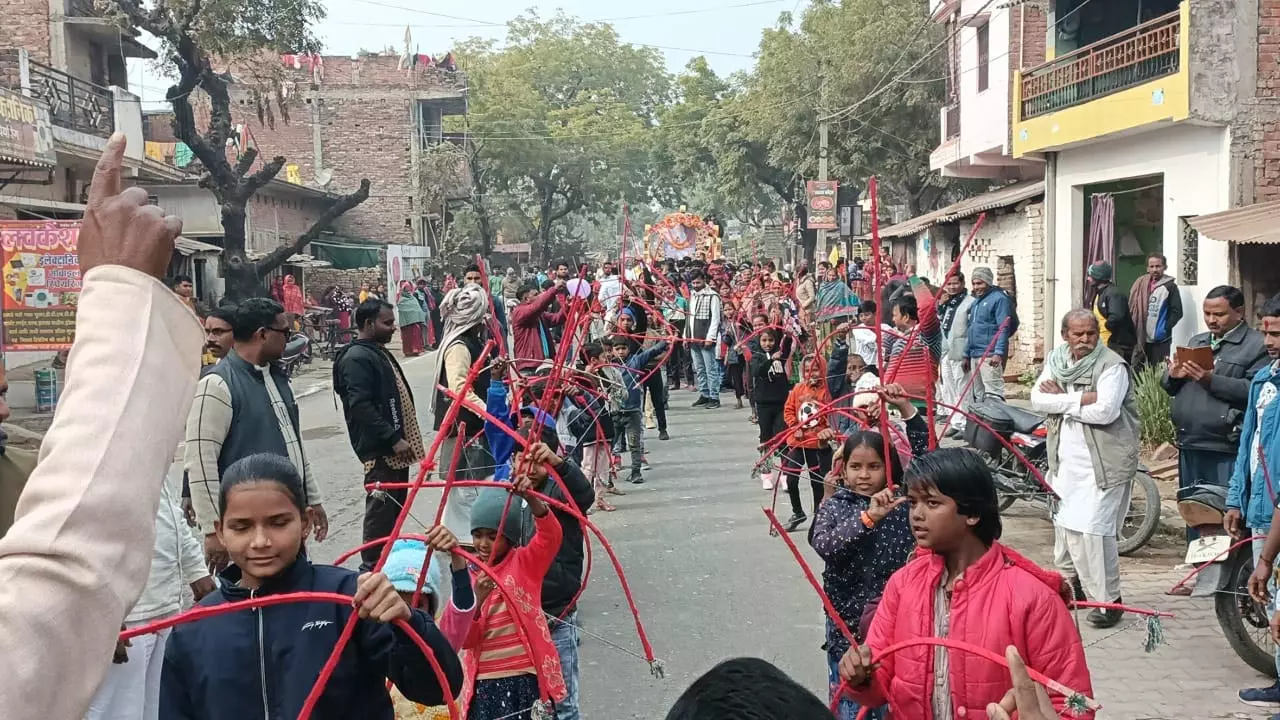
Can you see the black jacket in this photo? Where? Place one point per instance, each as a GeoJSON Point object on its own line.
{"type": "Point", "coordinates": [564, 578]}
{"type": "Point", "coordinates": [770, 388]}
{"type": "Point", "coordinates": [364, 376]}
{"type": "Point", "coordinates": [260, 664]}
{"type": "Point", "coordinates": [1113, 303]}
{"type": "Point", "coordinates": [1209, 417]}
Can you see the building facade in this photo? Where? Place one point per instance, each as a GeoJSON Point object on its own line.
{"type": "Point", "coordinates": [372, 116]}
{"type": "Point", "coordinates": [64, 65]}
{"type": "Point", "coordinates": [1148, 115]}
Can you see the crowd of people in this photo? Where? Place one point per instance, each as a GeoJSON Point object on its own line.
{"type": "Point", "coordinates": [544, 382]}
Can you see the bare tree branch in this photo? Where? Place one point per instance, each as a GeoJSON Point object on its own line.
{"type": "Point", "coordinates": [252, 184]}
{"type": "Point", "coordinates": [245, 163]}
{"type": "Point", "coordinates": [340, 206]}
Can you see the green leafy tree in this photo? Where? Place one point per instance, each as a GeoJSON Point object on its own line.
{"type": "Point", "coordinates": [251, 34]}
{"type": "Point", "coordinates": [560, 123]}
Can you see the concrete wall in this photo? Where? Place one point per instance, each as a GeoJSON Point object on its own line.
{"type": "Point", "coordinates": [984, 115]}
{"type": "Point", "coordinates": [1012, 245]}
{"type": "Point", "coordinates": [1195, 162]}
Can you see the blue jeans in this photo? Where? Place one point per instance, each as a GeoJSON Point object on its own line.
{"type": "Point", "coordinates": [707, 369]}
{"type": "Point", "coordinates": [565, 636]}
{"type": "Point", "coordinates": [848, 708]}
{"type": "Point", "coordinates": [1271, 584]}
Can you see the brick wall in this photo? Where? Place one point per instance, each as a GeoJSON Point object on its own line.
{"type": "Point", "coordinates": [26, 26]}
{"type": "Point", "coordinates": [1012, 245]}
{"type": "Point", "coordinates": [277, 216]}
{"type": "Point", "coordinates": [1266, 126]}
{"type": "Point", "coordinates": [364, 108]}
{"type": "Point", "coordinates": [370, 138]}
{"type": "Point", "coordinates": [158, 127]}
{"type": "Point", "coordinates": [1028, 28]}
{"type": "Point", "coordinates": [350, 280]}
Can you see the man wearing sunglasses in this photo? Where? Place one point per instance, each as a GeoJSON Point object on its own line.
{"type": "Point", "coordinates": [245, 406]}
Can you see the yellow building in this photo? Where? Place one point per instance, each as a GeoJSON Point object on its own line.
{"type": "Point", "coordinates": [1146, 114]}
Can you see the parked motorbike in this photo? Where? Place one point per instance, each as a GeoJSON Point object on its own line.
{"type": "Point", "coordinates": [1015, 480]}
{"type": "Point", "coordinates": [297, 352]}
{"type": "Point", "coordinates": [1225, 575]}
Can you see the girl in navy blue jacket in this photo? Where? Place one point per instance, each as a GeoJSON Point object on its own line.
{"type": "Point", "coordinates": [863, 531]}
{"type": "Point", "coordinates": [261, 664]}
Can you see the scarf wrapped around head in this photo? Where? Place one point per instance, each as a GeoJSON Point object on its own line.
{"type": "Point", "coordinates": [461, 309]}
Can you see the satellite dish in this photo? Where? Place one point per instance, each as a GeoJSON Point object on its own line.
{"type": "Point", "coordinates": [324, 176]}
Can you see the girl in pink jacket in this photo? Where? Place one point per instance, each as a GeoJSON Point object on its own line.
{"type": "Point", "coordinates": [966, 586]}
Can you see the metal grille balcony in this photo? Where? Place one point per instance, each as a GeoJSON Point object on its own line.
{"type": "Point", "coordinates": [1138, 55]}
{"type": "Point", "coordinates": [73, 103]}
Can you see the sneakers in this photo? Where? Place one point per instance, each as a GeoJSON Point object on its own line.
{"type": "Point", "coordinates": [644, 462]}
{"type": "Point", "coordinates": [664, 435]}
{"type": "Point", "coordinates": [1262, 697]}
{"type": "Point", "coordinates": [796, 521]}
{"type": "Point", "coordinates": [702, 400]}
{"type": "Point", "coordinates": [636, 478]}
{"type": "Point", "coordinates": [711, 405]}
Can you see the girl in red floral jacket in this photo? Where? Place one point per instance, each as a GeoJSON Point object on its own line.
{"type": "Point", "coordinates": [509, 661]}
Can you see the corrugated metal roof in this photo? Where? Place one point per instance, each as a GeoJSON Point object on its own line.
{"type": "Point", "coordinates": [1004, 197]}
{"type": "Point", "coordinates": [1258, 223]}
{"type": "Point", "coordinates": [187, 246]}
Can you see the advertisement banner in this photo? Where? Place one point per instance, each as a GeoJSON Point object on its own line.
{"type": "Point", "coordinates": [41, 283]}
{"type": "Point", "coordinates": [25, 133]}
{"type": "Point", "coordinates": [822, 204]}
{"type": "Point", "coordinates": [405, 262]}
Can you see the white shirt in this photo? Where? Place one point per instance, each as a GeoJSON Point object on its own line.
{"type": "Point", "coordinates": [1266, 396]}
{"type": "Point", "coordinates": [1084, 507]}
{"type": "Point", "coordinates": [176, 562]}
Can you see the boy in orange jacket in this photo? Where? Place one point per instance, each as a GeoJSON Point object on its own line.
{"type": "Point", "coordinates": [808, 437]}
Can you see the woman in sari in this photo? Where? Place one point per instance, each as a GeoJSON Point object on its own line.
{"type": "Point", "coordinates": [413, 322]}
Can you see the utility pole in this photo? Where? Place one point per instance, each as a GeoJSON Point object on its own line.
{"type": "Point", "coordinates": [823, 129]}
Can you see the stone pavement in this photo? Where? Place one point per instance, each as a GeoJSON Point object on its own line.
{"type": "Point", "coordinates": [711, 584]}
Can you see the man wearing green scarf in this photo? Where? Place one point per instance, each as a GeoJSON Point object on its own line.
{"type": "Point", "coordinates": [1093, 456]}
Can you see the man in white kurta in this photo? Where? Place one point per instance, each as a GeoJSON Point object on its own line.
{"type": "Point", "coordinates": [1087, 393]}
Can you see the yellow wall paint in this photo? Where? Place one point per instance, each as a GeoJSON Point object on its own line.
{"type": "Point", "coordinates": [1166, 99]}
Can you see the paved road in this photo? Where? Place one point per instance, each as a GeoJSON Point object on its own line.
{"type": "Point", "coordinates": [711, 584]}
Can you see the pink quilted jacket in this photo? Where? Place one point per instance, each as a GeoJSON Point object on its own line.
{"type": "Point", "coordinates": [1003, 599]}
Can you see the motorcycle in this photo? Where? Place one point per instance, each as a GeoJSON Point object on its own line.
{"type": "Point", "coordinates": [297, 352]}
{"type": "Point", "coordinates": [1015, 480]}
{"type": "Point", "coordinates": [1223, 571]}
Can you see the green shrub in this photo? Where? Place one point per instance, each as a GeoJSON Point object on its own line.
{"type": "Point", "coordinates": [1155, 407]}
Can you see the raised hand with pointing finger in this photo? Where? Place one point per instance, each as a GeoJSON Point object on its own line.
{"type": "Point", "coordinates": [120, 227]}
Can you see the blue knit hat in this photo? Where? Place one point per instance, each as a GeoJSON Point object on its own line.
{"type": "Point", "coordinates": [407, 561]}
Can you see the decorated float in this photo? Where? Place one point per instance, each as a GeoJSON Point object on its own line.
{"type": "Point", "coordinates": [682, 234]}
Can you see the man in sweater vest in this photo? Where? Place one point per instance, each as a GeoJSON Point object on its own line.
{"type": "Point", "coordinates": [1093, 456]}
{"type": "Point", "coordinates": [243, 407]}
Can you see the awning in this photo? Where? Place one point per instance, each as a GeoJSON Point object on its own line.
{"type": "Point", "coordinates": [296, 260]}
{"type": "Point", "coordinates": [1258, 223]}
{"type": "Point", "coordinates": [348, 253]}
{"type": "Point", "coordinates": [187, 246]}
{"type": "Point", "coordinates": [1004, 197]}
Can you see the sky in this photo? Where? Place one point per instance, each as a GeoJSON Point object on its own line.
{"type": "Point", "coordinates": [727, 32]}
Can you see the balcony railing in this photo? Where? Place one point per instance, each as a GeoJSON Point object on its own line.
{"type": "Point", "coordinates": [1135, 56]}
{"type": "Point", "coordinates": [73, 103]}
{"type": "Point", "coordinates": [951, 127]}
